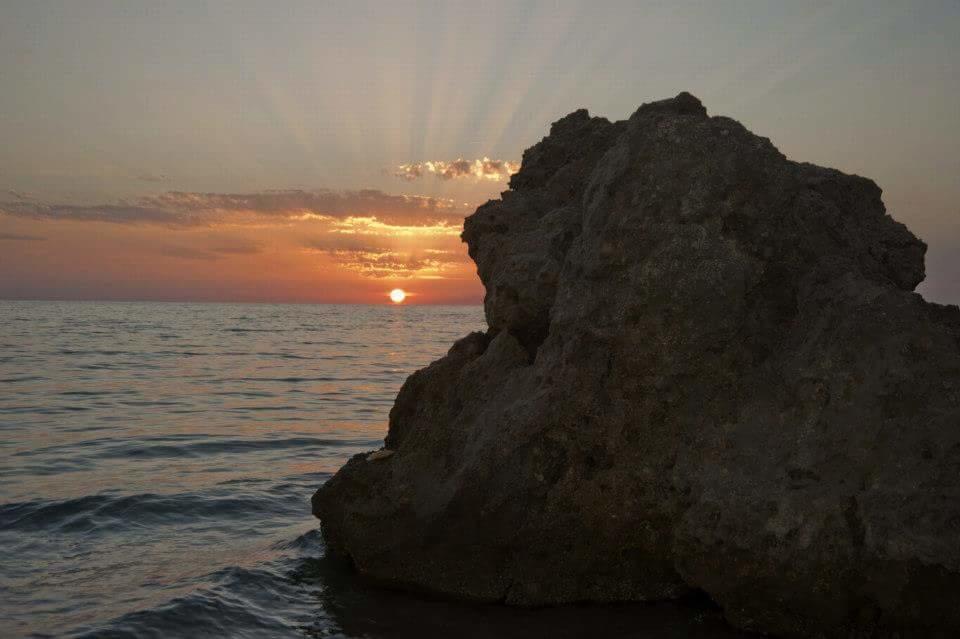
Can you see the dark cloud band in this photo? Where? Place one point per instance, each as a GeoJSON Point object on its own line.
{"type": "Point", "coordinates": [191, 209]}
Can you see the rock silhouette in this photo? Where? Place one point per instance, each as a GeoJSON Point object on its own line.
{"type": "Point", "coordinates": [705, 370]}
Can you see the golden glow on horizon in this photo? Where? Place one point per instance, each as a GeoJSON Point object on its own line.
{"type": "Point", "coordinates": [261, 245]}
{"type": "Point", "coordinates": [373, 226]}
{"type": "Point", "coordinates": [281, 263]}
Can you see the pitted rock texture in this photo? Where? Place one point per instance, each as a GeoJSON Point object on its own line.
{"type": "Point", "coordinates": [705, 370]}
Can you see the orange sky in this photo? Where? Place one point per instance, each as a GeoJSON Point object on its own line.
{"type": "Point", "coordinates": [283, 246]}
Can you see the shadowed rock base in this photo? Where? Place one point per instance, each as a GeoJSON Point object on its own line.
{"type": "Point", "coordinates": [705, 369]}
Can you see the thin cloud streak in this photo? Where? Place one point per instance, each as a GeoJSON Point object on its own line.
{"type": "Point", "coordinates": [382, 264]}
{"type": "Point", "coordinates": [481, 169]}
{"type": "Point", "coordinates": [238, 249]}
{"type": "Point", "coordinates": [211, 253]}
{"type": "Point", "coordinates": [16, 237]}
{"type": "Point", "coordinates": [112, 213]}
{"type": "Point", "coordinates": [378, 257]}
{"type": "Point", "coordinates": [153, 178]}
{"type": "Point", "coordinates": [186, 253]}
{"type": "Point", "coordinates": [193, 209]}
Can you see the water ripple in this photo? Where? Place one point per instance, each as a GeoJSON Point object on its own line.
{"type": "Point", "coordinates": [157, 462]}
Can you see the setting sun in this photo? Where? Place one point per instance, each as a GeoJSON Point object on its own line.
{"type": "Point", "coordinates": [397, 295]}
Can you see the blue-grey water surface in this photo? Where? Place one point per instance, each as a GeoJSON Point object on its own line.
{"type": "Point", "coordinates": [157, 460]}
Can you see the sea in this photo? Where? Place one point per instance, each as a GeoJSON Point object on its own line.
{"type": "Point", "coordinates": [157, 462]}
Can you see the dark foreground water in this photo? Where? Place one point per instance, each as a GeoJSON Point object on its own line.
{"type": "Point", "coordinates": [157, 460]}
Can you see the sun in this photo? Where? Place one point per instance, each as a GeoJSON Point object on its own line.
{"type": "Point", "coordinates": [397, 295]}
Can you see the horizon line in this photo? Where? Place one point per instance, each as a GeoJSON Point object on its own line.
{"type": "Point", "coordinates": [187, 301]}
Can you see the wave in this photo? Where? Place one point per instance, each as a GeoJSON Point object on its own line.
{"type": "Point", "coordinates": [219, 447]}
{"type": "Point", "coordinates": [254, 330]}
{"type": "Point", "coordinates": [305, 593]}
{"type": "Point", "coordinates": [24, 378]}
{"type": "Point", "coordinates": [200, 614]}
{"type": "Point", "coordinates": [157, 469]}
{"type": "Point", "coordinates": [105, 512]}
{"type": "Point", "coordinates": [156, 447]}
{"type": "Point", "coordinates": [279, 597]}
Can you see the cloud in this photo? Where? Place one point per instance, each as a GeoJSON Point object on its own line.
{"type": "Point", "coordinates": [113, 213]}
{"type": "Point", "coordinates": [450, 256]}
{"type": "Point", "coordinates": [186, 253]}
{"type": "Point", "coordinates": [14, 237]}
{"type": "Point", "coordinates": [192, 209]}
{"type": "Point", "coordinates": [416, 210]}
{"type": "Point", "coordinates": [153, 178]}
{"type": "Point", "coordinates": [369, 232]}
{"type": "Point", "coordinates": [238, 249]}
{"type": "Point", "coordinates": [374, 256]}
{"type": "Point", "coordinates": [212, 253]}
{"type": "Point", "coordinates": [381, 264]}
{"type": "Point", "coordinates": [481, 169]}
{"type": "Point", "coordinates": [331, 242]}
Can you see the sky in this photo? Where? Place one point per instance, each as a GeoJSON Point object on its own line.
{"type": "Point", "coordinates": [328, 151]}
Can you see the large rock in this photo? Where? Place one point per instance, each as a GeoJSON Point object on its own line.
{"type": "Point", "coordinates": [705, 369]}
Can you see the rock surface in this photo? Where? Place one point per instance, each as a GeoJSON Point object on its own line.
{"type": "Point", "coordinates": [705, 370]}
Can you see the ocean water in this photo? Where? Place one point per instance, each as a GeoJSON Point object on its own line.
{"type": "Point", "coordinates": [157, 460]}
